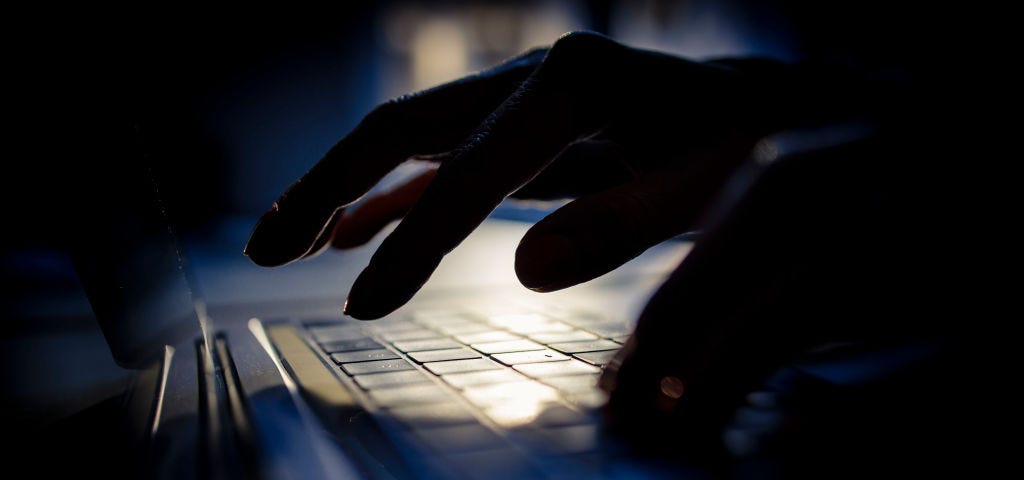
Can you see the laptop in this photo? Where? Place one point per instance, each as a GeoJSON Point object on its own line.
{"type": "Point", "coordinates": [251, 373]}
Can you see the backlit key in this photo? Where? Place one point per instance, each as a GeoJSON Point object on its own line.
{"type": "Point", "coordinates": [461, 353]}
{"type": "Point", "coordinates": [596, 358]}
{"type": "Point", "coordinates": [506, 347]}
{"type": "Point", "coordinates": [460, 366]}
{"type": "Point", "coordinates": [376, 367]}
{"type": "Point", "coordinates": [556, 369]}
{"type": "Point", "coordinates": [363, 356]}
{"type": "Point", "coordinates": [517, 358]}
{"type": "Point", "coordinates": [580, 347]}
{"type": "Point", "coordinates": [429, 344]}
{"type": "Point", "coordinates": [462, 380]}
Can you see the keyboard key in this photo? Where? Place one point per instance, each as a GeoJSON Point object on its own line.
{"type": "Point", "coordinates": [544, 327]}
{"type": "Point", "coordinates": [488, 308]}
{"type": "Point", "coordinates": [487, 337]}
{"type": "Point", "coordinates": [326, 322]}
{"type": "Point", "coordinates": [391, 379]}
{"type": "Point", "coordinates": [410, 395]}
{"type": "Point", "coordinates": [350, 345]}
{"type": "Point", "coordinates": [573, 384]}
{"type": "Point", "coordinates": [441, 317]}
{"type": "Point", "coordinates": [429, 344]}
{"type": "Point", "coordinates": [376, 367]}
{"type": "Point", "coordinates": [447, 321]}
{"type": "Point", "coordinates": [418, 334]}
{"type": "Point", "coordinates": [610, 329]}
{"type": "Point", "coordinates": [510, 320]}
{"type": "Point", "coordinates": [462, 438]}
{"type": "Point", "coordinates": [507, 346]}
{"type": "Point", "coordinates": [523, 395]}
{"type": "Point", "coordinates": [460, 353]}
{"type": "Point", "coordinates": [556, 337]}
{"type": "Point", "coordinates": [529, 323]}
{"type": "Point", "coordinates": [580, 318]}
{"type": "Point", "coordinates": [536, 414]}
{"type": "Point", "coordinates": [462, 380]}
{"type": "Point", "coordinates": [596, 358]}
{"type": "Point", "coordinates": [464, 328]}
{"type": "Point", "coordinates": [391, 325]}
{"type": "Point", "coordinates": [363, 356]}
{"type": "Point", "coordinates": [556, 369]}
{"type": "Point", "coordinates": [592, 399]}
{"type": "Point", "coordinates": [460, 366]}
{"type": "Point", "coordinates": [529, 357]}
{"type": "Point", "coordinates": [621, 339]}
{"type": "Point", "coordinates": [337, 332]}
{"type": "Point", "coordinates": [580, 347]}
{"type": "Point", "coordinates": [429, 416]}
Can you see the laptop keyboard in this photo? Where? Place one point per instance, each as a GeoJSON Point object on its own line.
{"type": "Point", "coordinates": [489, 395]}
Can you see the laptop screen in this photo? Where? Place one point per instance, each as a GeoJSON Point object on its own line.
{"type": "Point", "coordinates": [128, 258]}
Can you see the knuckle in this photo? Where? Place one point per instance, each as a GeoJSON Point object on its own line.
{"type": "Point", "coordinates": [535, 53]}
{"type": "Point", "coordinates": [393, 115]}
{"type": "Point", "coordinates": [471, 185]}
{"type": "Point", "coordinates": [581, 53]}
{"type": "Point", "coordinates": [582, 41]}
{"type": "Point", "coordinates": [383, 112]}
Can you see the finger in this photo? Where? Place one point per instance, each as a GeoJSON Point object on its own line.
{"type": "Point", "coordinates": [761, 286]}
{"type": "Point", "coordinates": [324, 239]}
{"type": "Point", "coordinates": [423, 166]}
{"type": "Point", "coordinates": [584, 167]}
{"type": "Point", "coordinates": [432, 121]}
{"type": "Point", "coordinates": [361, 222]}
{"type": "Point", "coordinates": [512, 145]}
{"type": "Point", "coordinates": [597, 233]}
{"type": "Point", "coordinates": [711, 332]}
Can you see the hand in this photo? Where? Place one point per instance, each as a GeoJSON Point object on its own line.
{"type": "Point", "coordinates": [652, 146]}
{"type": "Point", "coordinates": [645, 139]}
{"type": "Point", "coordinates": [824, 238]}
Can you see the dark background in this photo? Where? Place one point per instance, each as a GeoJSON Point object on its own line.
{"type": "Point", "coordinates": [235, 103]}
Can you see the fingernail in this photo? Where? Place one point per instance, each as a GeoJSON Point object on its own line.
{"type": "Point", "coordinates": [546, 262]}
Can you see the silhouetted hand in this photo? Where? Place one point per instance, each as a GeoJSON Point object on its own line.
{"type": "Point", "coordinates": [821, 239]}
{"type": "Point", "coordinates": [644, 138]}
{"type": "Point", "coordinates": [653, 146]}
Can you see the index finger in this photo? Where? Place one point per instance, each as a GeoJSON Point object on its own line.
{"type": "Point", "coordinates": [431, 121]}
{"type": "Point", "coordinates": [551, 108]}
